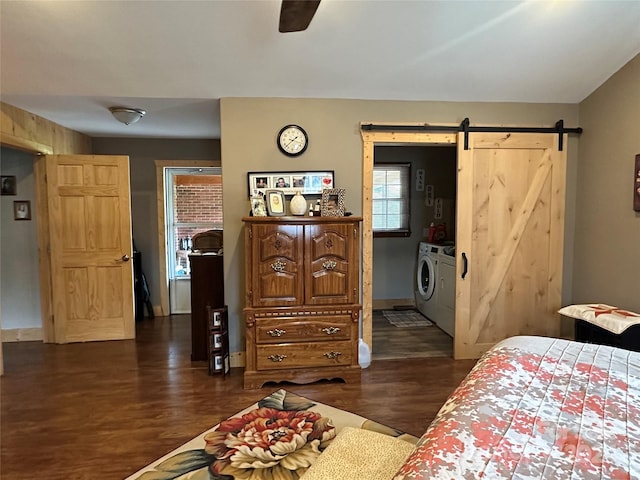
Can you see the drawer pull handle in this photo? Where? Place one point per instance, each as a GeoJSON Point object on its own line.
{"type": "Point", "coordinates": [276, 332]}
{"type": "Point", "coordinates": [276, 358]}
{"type": "Point", "coordinates": [331, 330]}
{"type": "Point", "coordinates": [332, 355]}
{"type": "Point", "coordinates": [329, 265]}
{"type": "Point", "coordinates": [278, 266]}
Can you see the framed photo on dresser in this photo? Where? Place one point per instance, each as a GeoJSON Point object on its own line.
{"type": "Point", "coordinates": [275, 203]}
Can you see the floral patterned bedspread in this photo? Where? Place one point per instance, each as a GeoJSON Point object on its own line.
{"type": "Point", "coordinates": [537, 408]}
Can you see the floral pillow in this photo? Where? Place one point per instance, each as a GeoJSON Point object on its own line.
{"type": "Point", "coordinates": [608, 317]}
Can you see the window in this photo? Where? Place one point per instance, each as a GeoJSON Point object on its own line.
{"type": "Point", "coordinates": [391, 200]}
{"type": "Point", "coordinates": [193, 205]}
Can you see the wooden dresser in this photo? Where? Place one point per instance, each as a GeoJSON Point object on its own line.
{"type": "Point", "coordinates": [302, 299]}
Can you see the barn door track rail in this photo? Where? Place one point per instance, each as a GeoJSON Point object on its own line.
{"type": "Point", "coordinates": [465, 127]}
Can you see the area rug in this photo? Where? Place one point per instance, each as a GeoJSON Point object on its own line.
{"type": "Point", "coordinates": [277, 438]}
{"type": "Point", "coordinates": [406, 318]}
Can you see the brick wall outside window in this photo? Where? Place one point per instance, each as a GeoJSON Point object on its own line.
{"type": "Point", "coordinates": [197, 200]}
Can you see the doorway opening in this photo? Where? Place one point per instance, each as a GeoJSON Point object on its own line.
{"type": "Point", "coordinates": [405, 323]}
{"type": "Point", "coordinates": [370, 140]}
{"type": "Point", "coordinates": [193, 199]}
{"type": "Point", "coordinates": [170, 234]}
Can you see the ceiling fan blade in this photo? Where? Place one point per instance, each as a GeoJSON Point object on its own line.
{"type": "Point", "coordinates": [295, 15]}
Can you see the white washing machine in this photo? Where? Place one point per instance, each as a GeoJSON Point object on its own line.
{"type": "Point", "coordinates": [426, 292]}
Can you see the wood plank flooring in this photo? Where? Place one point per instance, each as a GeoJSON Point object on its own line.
{"type": "Point", "coordinates": [106, 409]}
{"type": "Point", "coordinates": [390, 342]}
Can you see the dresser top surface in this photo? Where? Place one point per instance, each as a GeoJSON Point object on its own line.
{"type": "Point", "coordinates": [301, 219]}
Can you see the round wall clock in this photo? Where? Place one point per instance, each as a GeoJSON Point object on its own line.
{"type": "Point", "coordinates": [292, 140]}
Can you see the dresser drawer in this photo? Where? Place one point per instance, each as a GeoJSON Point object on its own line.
{"type": "Point", "coordinates": [301, 355]}
{"type": "Point", "coordinates": [285, 330]}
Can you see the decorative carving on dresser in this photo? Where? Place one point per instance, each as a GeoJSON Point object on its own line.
{"type": "Point", "coordinates": [302, 299]}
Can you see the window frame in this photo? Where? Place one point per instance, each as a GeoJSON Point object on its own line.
{"type": "Point", "coordinates": [405, 196]}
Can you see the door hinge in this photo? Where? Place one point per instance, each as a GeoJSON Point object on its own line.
{"type": "Point", "coordinates": [250, 233]}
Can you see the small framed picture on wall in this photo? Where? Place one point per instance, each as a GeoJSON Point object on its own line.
{"type": "Point", "coordinates": [22, 210]}
{"type": "Point", "coordinates": [8, 183]}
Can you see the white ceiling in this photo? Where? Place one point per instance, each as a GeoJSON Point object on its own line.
{"type": "Point", "coordinates": [68, 61]}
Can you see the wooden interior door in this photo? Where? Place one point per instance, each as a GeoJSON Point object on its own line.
{"type": "Point", "coordinates": [510, 230]}
{"type": "Point", "coordinates": [90, 247]}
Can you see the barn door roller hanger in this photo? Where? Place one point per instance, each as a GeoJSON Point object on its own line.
{"type": "Point", "coordinates": [465, 127]}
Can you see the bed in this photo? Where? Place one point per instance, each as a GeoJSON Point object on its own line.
{"type": "Point", "coordinates": [537, 408]}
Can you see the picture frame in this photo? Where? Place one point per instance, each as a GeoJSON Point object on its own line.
{"type": "Point", "coordinates": [310, 182]}
{"type": "Point", "coordinates": [22, 210]}
{"type": "Point", "coordinates": [332, 204]}
{"type": "Point", "coordinates": [8, 185]}
{"type": "Point", "coordinates": [275, 201]}
{"type": "Point", "coordinates": [636, 185]}
{"type": "Point", "coordinates": [258, 207]}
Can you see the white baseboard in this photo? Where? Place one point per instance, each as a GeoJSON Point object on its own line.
{"type": "Point", "coordinates": [22, 335]}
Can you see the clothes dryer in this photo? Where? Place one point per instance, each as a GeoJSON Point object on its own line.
{"type": "Point", "coordinates": [445, 316]}
{"type": "Point", "coordinates": [426, 293]}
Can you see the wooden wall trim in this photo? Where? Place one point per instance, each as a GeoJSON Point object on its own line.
{"type": "Point", "coordinates": [29, 132]}
{"type": "Point", "coordinates": [369, 141]}
{"type": "Point", "coordinates": [25, 144]}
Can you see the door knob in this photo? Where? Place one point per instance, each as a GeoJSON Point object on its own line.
{"type": "Point", "coordinates": [125, 258]}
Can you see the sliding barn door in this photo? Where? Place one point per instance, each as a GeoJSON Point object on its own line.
{"type": "Point", "coordinates": [90, 247]}
{"type": "Point", "coordinates": [510, 225]}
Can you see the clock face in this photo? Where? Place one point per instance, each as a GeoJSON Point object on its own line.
{"type": "Point", "coordinates": [292, 140]}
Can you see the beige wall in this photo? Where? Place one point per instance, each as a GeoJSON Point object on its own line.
{"type": "Point", "coordinates": [249, 127]}
{"type": "Point", "coordinates": [607, 242]}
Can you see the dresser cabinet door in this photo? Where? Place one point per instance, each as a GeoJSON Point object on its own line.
{"type": "Point", "coordinates": [277, 255]}
{"type": "Point", "coordinates": [330, 264]}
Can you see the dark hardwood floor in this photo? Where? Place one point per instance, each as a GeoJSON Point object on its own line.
{"type": "Point", "coordinates": [106, 409]}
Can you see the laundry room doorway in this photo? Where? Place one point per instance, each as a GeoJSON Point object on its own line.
{"type": "Point", "coordinates": [401, 325]}
{"type": "Point", "coordinates": [510, 211]}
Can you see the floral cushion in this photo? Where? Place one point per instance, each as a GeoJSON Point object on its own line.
{"type": "Point", "coordinates": [610, 318]}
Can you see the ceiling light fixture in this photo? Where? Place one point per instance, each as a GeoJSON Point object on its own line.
{"type": "Point", "coordinates": [127, 115]}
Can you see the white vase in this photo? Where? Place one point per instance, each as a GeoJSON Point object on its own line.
{"type": "Point", "coordinates": [298, 204]}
